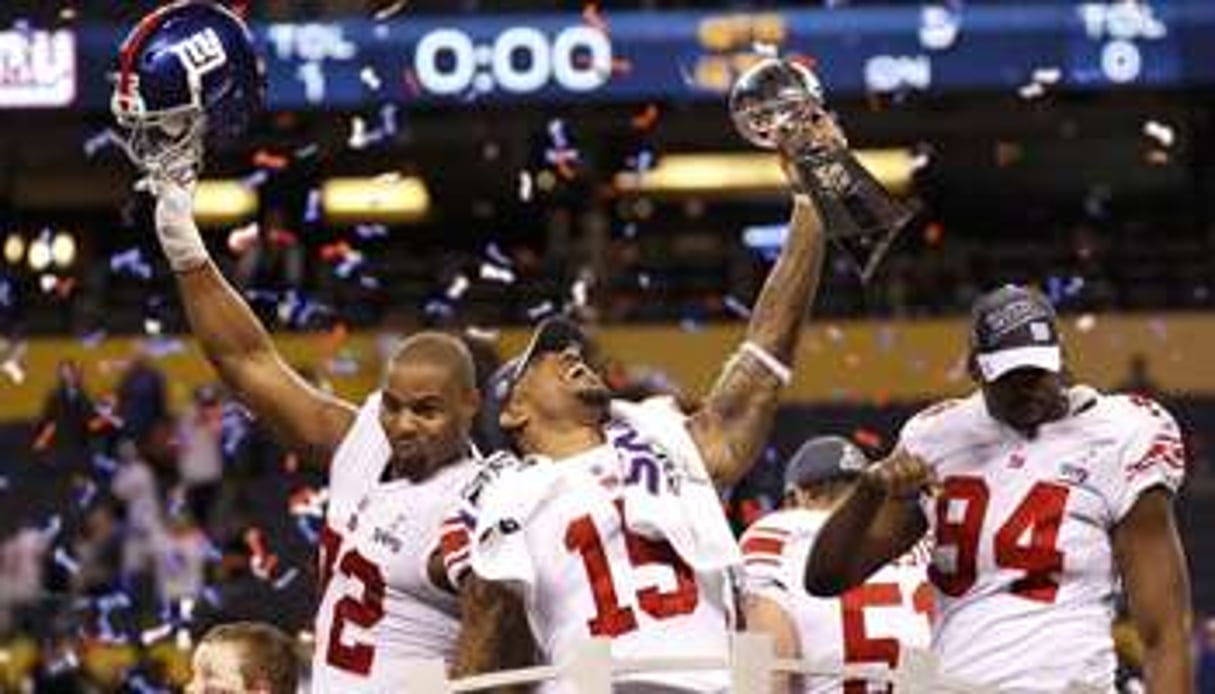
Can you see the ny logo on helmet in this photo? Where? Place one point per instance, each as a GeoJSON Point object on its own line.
{"type": "Point", "coordinates": [201, 52]}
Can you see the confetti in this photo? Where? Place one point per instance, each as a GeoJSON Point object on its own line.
{"type": "Point", "coordinates": [535, 313]}
{"type": "Point", "coordinates": [369, 78]}
{"type": "Point", "coordinates": [390, 10]}
{"type": "Point", "coordinates": [496, 273]}
{"type": "Point", "coordinates": [131, 263]}
{"type": "Point", "coordinates": [1161, 133]}
{"type": "Point", "coordinates": [65, 561]}
{"type": "Point", "coordinates": [286, 579]}
{"type": "Point", "coordinates": [155, 634]}
{"type": "Point", "coordinates": [100, 142]}
{"type": "Point", "coordinates": [242, 238]}
{"type": "Point", "coordinates": [459, 285]}
{"type": "Point", "coordinates": [1086, 322]}
{"type": "Point", "coordinates": [371, 231]}
{"type": "Point", "coordinates": [265, 159]}
{"type": "Point", "coordinates": [736, 307]}
{"type": "Point", "coordinates": [525, 186]}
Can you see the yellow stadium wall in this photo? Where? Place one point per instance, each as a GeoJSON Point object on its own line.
{"type": "Point", "coordinates": [862, 361]}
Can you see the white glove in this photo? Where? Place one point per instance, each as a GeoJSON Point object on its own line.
{"type": "Point", "coordinates": [179, 237]}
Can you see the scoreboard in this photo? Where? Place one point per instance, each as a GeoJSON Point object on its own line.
{"type": "Point", "coordinates": [427, 60]}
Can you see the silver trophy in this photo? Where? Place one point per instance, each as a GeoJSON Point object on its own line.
{"type": "Point", "coordinates": [778, 104]}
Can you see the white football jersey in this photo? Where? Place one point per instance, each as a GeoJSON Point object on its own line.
{"type": "Point", "coordinates": [1022, 561]}
{"type": "Point", "coordinates": [866, 625]}
{"type": "Point", "coordinates": [566, 534]}
{"type": "Point", "coordinates": [378, 605]}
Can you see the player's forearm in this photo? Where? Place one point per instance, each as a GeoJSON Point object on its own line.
{"type": "Point", "coordinates": [790, 287]}
{"type": "Point", "coordinates": [225, 327]}
{"type": "Point", "coordinates": [837, 562]}
{"type": "Point", "coordinates": [1167, 663]}
{"type": "Point", "coordinates": [494, 634]}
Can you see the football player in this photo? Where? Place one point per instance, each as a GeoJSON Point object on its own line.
{"type": "Point", "coordinates": [613, 526]}
{"type": "Point", "coordinates": [1041, 498]}
{"type": "Point", "coordinates": [396, 464]}
{"type": "Point", "coordinates": [870, 623]}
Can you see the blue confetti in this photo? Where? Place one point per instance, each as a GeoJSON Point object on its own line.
{"type": "Point", "coordinates": [93, 339]}
{"type": "Point", "coordinates": [306, 527]}
{"type": "Point", "coordinates": [369, 282]}
{"type": "Point", "coordinates": [6, 293]}
{"type": "Point", "coordinates": [99, 142]}
{"type": "Point", "coordinates": [388, 119]}
{"type": "Point", "coordinates": [255, 179]}
{"type": "Point", "coordinates": [541, 310]}
{"type": "Point", "coordinates": [65, 561]}
{"type": "Point", "coordinates": [86, 495]}
{"type": "Point", "coordinates": [738, 308]}
{"type": "Point", "coordinates": [496, 255]}
{"type": "Point", "coordinates": [104, 465]}
{"type": "Point", "coordinates": [312, 208]}
{"type": "Point", "coordinates": [438, 308]}
{"type": "Point", "coordinates": [371, 231]}
{"type": "Point", "coordinates": [131, 262]}
{"type": "Point", "coordinates": [286, 579]}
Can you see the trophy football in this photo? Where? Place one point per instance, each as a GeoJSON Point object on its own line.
{"type": "Point", "coordinates": [778, 104]}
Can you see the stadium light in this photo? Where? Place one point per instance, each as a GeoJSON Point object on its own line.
{"type": "Point", "coordinates": [63, 250]}
{"type": "Point", "coordinates": [39, 257]}
{"type": "Point", "coordinates": [748, 173]}
{"type": "Point", "coordinates": [220, 202]}
{"type": "Point", "coordinates": [388, 198]}
{"type": "Point", "coordinates": [14, 248]}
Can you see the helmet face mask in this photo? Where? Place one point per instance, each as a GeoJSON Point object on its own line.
{"type": "Point", "coordinates": [187, 71]}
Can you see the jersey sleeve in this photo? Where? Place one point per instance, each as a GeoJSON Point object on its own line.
{"type": "Point", "coordinates": [774, 560]}
{"type": "Point", "coordinates": [459, 526]}
{"type": "Point", "coordinates": [486, 535]}
{"type": "Point", "coordinates": [1153, 455]}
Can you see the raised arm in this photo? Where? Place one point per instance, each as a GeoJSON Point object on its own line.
{"type": "Point", "coordinates": [1153, 567]}
{"type": "Point", "coordinates": [733, 424]}
{"type": "Point", "coordinates": [877, 522]}
{"type": "Point", "coordinates": [302, 417]}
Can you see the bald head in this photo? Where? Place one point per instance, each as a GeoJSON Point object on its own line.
{"type": "Point", "coordinates": [441, 350]}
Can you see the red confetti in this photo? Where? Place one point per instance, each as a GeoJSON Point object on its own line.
{"type": "Point", "coordinates": [867, 438]}
{"type": "Point", "coordinates": [266, 159]}
{"type": "Point", "coordinates": [647, 119]}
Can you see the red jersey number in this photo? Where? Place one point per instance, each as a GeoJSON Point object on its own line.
{"type": "Point", "coordinates": [1037, 518]}
{"type": "Point", "coordinates": [612, 618]}
{"type": "Point", "coordinates": [859, 647]}
{"type": "Point", "coordinates": [364, 611]}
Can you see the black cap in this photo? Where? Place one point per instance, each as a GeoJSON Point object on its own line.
{"type": "Point", "coordinates": [824, 458]}
{"type": "Point", "coordinates": [1014, 327]}
{"type": "Point", "coordinates": [553, 334]}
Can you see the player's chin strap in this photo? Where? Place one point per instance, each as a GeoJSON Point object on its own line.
{"type": "Point", "coordinates": [774, 366]}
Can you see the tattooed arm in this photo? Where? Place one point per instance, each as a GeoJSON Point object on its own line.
{"type": "Point", "coordinates": [733, 423]}
{"type": "Point", "coordinates": [494, 633]}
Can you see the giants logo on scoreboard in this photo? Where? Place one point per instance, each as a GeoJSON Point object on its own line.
{"type": "Point", "coordinates": [37, 68]}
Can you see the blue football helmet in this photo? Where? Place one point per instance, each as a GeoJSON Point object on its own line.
{"type": "Point", "coordinates": [186, 71]}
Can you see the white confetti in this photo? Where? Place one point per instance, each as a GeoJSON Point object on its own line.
{"type": "Point", "coordinates": [1160, 132]}
{"type": "Point", "coordinates": [371, 79]}
{"type": "Point", "coordinates": [497, 273]}
{"type": "Point", "coordinates": [525, 186]}
{"type": "Point", "coordinates": [459, 285]}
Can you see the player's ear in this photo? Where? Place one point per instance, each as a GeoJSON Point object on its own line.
{"type": "Point", "coordinates": [470, 404]}
{"type": "Point", "coordinates": [512, 417]}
